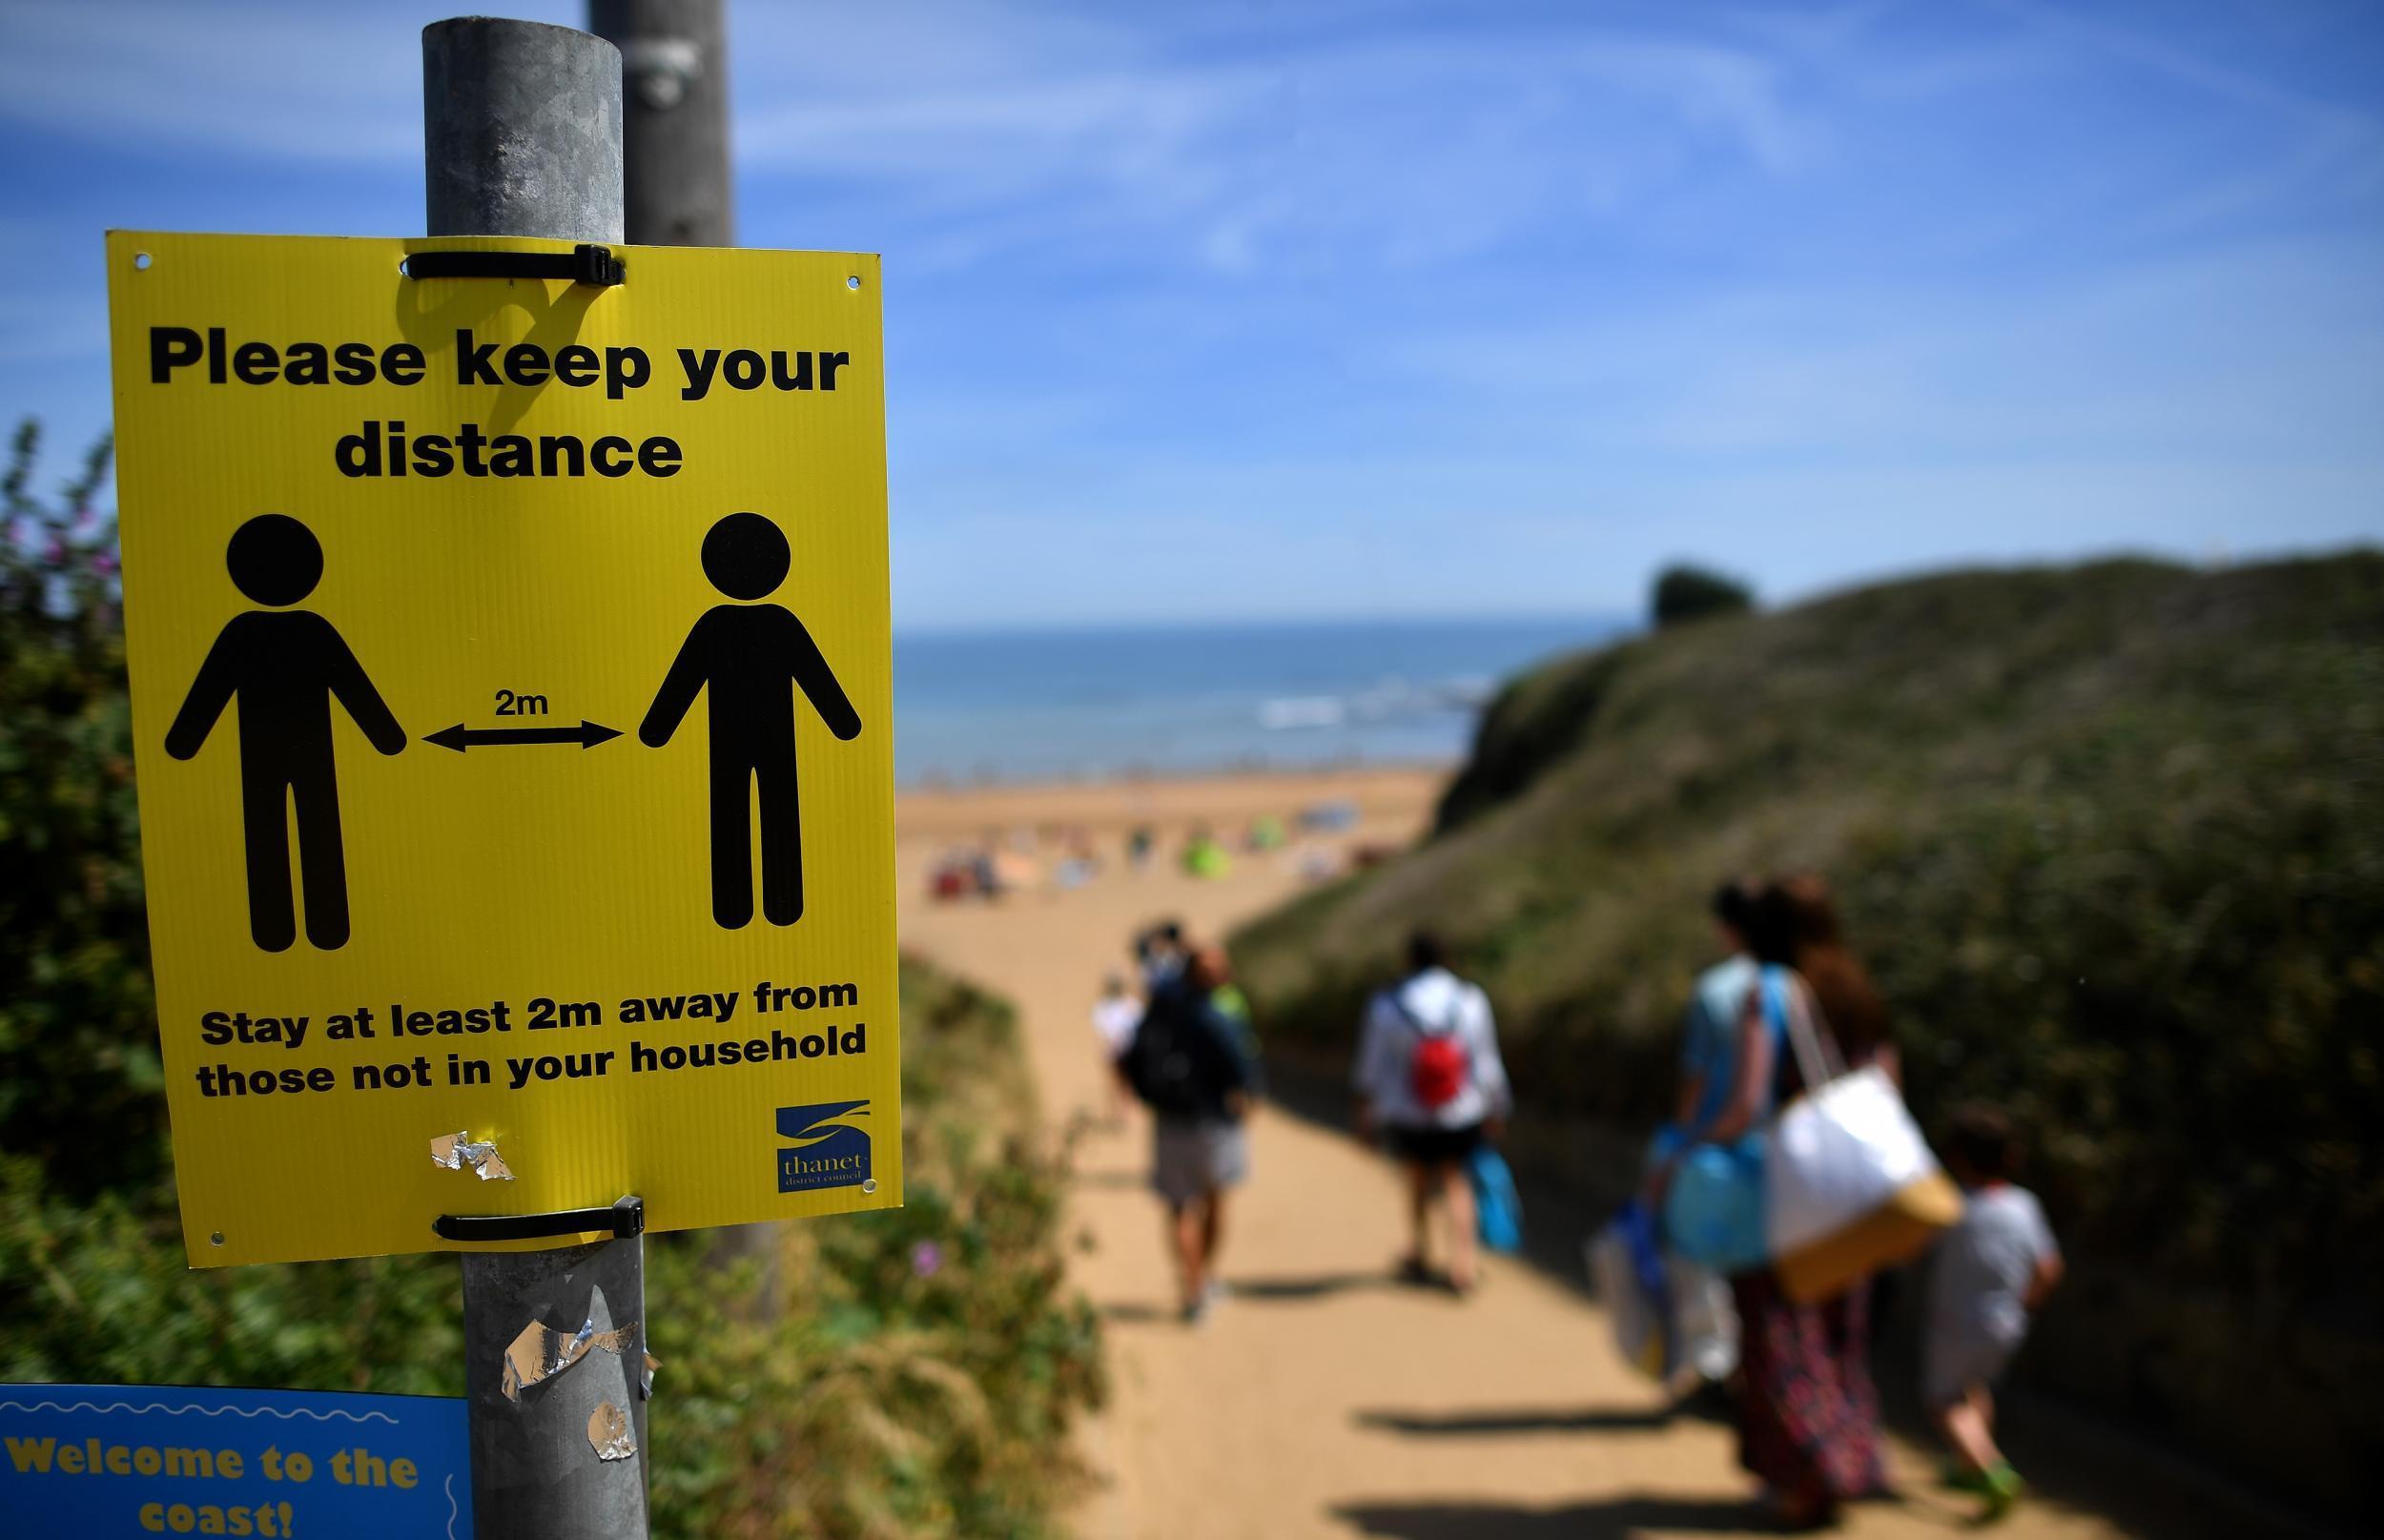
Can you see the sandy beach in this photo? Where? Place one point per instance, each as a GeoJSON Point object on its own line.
{"type": "Point", "coordinates": [1321, 1400]}
{"type": "Point", "coordinates": [1395, 803]}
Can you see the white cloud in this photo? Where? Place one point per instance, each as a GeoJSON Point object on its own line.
{"type": "Point", "coordinates": [310, 82]}
{"type": "Point", "coordinates": [1383, 148]}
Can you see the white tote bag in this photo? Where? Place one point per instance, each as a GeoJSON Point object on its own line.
{"type": "Point", "coordinates": [1850, 1185]}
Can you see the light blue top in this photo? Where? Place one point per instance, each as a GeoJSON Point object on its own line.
{"type": "Point", "coordinates": [1709, 1046]}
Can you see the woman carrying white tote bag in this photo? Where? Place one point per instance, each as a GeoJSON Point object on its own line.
{"type": "Point", "coordinates": [1850, 1185]}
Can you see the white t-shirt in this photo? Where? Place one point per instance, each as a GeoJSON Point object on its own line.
{"type": "Point", "coordinates": [1984, 1264]}
{"type": "Point", "coordinates": [1115, 1017]}
{"type": "Point", "coordinates": [1434, 1001]}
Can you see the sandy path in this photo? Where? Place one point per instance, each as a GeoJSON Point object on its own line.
{"type": "Point", "coordinates": [1320, 1400]}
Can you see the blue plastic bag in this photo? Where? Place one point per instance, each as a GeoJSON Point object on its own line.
{"type": "Point", "coordinates": [1638, 1229]}
{"type": "Point", "coordinates": [1713, 1209]}
{"type": "Point", "coordinates": [1498, 1207]}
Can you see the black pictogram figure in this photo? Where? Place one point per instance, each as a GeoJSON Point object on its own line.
{"type": "Point", "coordinates": [753, 657]}
{"type": "Point", "coordinates": [285, 667]}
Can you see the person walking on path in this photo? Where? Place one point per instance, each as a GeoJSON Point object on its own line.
{"type": "Point", "coordinates": [1189, 1062]}
{"type": "Point", "coordinates": [1430, 1078]}
{"type": "Point", "coordinates": [1808, 1412]}
{"type": "Point", "coordinates": [1991, 1271]}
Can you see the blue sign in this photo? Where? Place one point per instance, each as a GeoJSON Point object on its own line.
{"type": "Point", "coordinates": [96, 1462]}
{"type": "Point", "coordinates": [834, 1153]}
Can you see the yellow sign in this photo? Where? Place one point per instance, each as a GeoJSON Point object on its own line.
{"type": "Point", "coordinates": [510, 686]}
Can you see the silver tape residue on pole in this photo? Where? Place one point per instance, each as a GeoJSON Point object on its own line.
{"type": "Point", "coordinates": [540, 1352]}
{"type": "Point", "coordinates": [456, 1151]}
{"type": "Point", "coordinates": [608, 1431]}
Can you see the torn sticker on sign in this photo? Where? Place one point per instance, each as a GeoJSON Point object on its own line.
{"type": "Point", "coordinates": [608, 1431]}
{"type": "Point", "coordinates": [540, 1352]}
{"type": "Point", "coordinates": [456, 1151]}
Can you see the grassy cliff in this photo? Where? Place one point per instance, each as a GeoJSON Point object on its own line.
{"type": "Point", "coordinates": [2113, 839]}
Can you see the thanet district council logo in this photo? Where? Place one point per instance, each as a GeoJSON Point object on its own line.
{"type": "Point", "coordinates": [829, 1150]}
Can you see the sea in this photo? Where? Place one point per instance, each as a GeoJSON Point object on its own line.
{"type": "Point", "coordinates": [1019, 705]}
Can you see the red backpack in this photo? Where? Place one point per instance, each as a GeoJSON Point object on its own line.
{"type": "Point", "coordinates": [1438, 1066]}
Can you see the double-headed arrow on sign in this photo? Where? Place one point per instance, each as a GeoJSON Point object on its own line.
{"type": "Point", "coordinates": [587, 734]}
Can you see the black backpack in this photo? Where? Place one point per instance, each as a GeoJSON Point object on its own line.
{"type": "Point", "coordinates": [1171, 1063]}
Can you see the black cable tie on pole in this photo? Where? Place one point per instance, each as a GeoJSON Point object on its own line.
{"type": "Point", "coordinates": [625, 1218]}
{"type": "Point", "coordinates": [593, 265]}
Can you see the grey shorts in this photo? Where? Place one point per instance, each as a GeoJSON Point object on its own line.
{"type": "Point", "coordinates": [1192, 1159]}
{"type": "Point", "coordinates": [1952, 1362]}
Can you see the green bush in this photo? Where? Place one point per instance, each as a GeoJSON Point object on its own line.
{"type": "Point", "coordinates": [906, 1373]}
{"type": "Point", "coordinates": [1687, 593]}
{"type": "Point", "coordinates": [79, 1079]}
{"type": "Point", "coordinates": [912, 1372]}
{"type": "Point", "coordinates": [918, 1374]}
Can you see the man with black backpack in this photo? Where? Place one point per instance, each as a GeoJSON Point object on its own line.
{"type": "Point", "coordinates": [1190, 1063]}
{"type": "Point", "coordinates": [1430, 1078]}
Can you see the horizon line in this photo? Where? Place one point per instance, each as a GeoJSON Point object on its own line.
{"type": "Point", "coordinates": [1136, 625]}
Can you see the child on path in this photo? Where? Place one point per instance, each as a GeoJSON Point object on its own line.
{"type": "Point", "coordinates": [1992, 1270]}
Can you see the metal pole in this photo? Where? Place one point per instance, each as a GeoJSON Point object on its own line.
{"type": "Point", "coordinates": [522, 136]}
{"type": "Point", "coordinates": [675, 141]}
{"type": "Point", "coordinates": [674, 67]}
{"type": "Point", "coordinates": [535, 1471]}
{"type": "Point", "coordinates": [520, 131]}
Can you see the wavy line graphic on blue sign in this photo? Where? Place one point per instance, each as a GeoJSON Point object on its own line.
{"type": "Point", "coordinates": [200, 1411]}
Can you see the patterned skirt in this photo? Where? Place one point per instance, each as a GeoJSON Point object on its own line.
{"type": "Point", "coordinates": [1808, 1414]}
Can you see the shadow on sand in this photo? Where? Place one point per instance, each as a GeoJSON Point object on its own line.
{"type": "Point", "coordinates": [1313, 1287]}
{"type": "Point", "coordinates": [1614, 1519]}
{"type": "Point", "coordinates": [1493, 1423]}
{"type": "Point", "coordinates": [1256, 1291]}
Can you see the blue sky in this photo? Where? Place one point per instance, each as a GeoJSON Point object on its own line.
{"type": "Point", "coordinates": [1275, 309]}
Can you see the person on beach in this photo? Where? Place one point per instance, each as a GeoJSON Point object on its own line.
{"type": "Point", "coordinates": [1429, 1080]}
{"type": "Point", "coordinates": [1115, 1016]}
{"type": "Point", "coordinates": [1808, 1410]}
{"type": "Point", "coordinates": [1991, 1271]}
{"type": "Point", "coordinates": [1159, 953]}
{"type": "Point", "coordinates": [1190, 1064]}
{"type": "Point", "coordinates": [1204, 856]}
